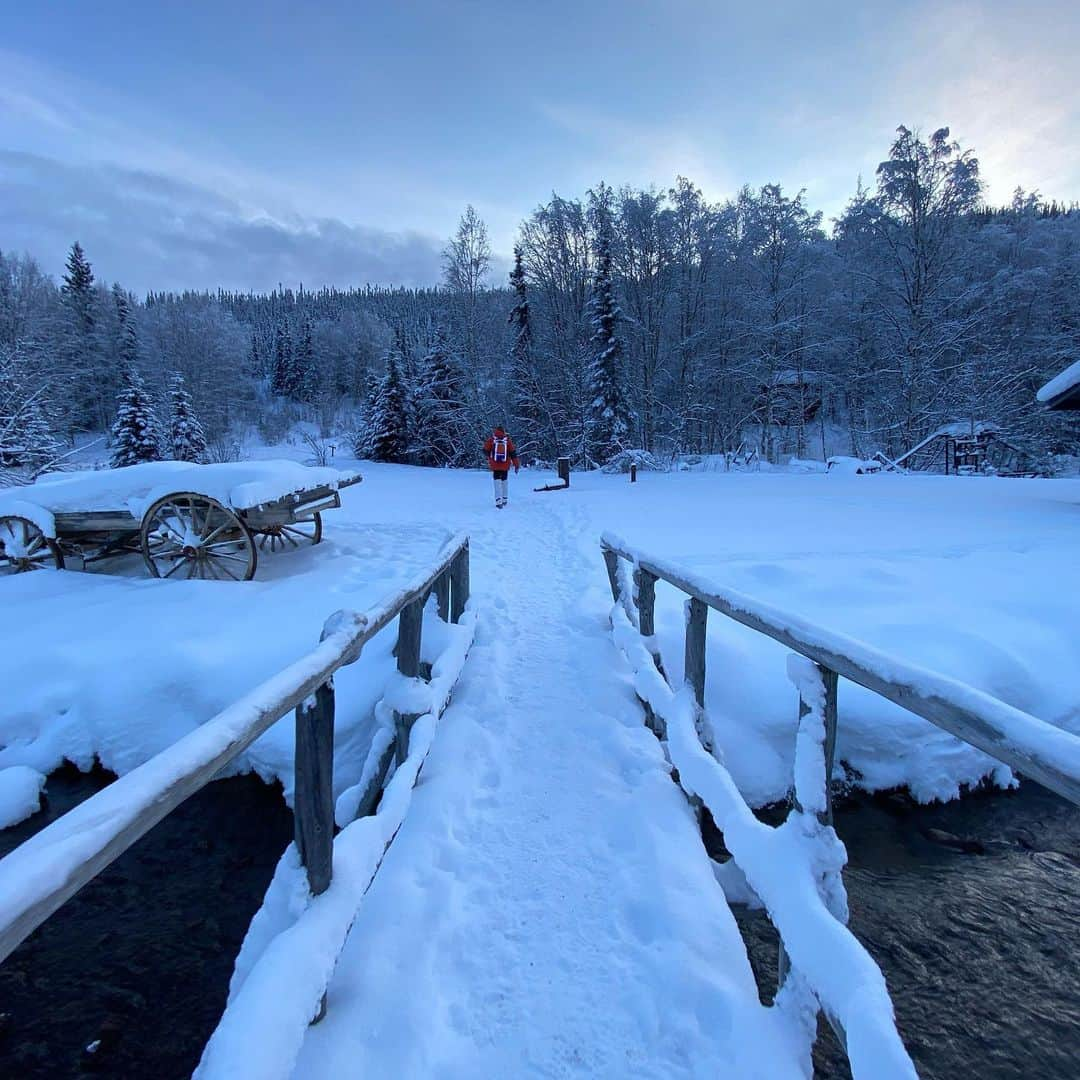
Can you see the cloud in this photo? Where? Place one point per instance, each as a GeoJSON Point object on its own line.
{"type": "Point", "coordinates": [620, 150]}
{"type": "Point", "coordinates": [151, 231]}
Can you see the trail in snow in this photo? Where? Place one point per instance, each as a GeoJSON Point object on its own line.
{"type": "Point", "coordinates": [547, 909]}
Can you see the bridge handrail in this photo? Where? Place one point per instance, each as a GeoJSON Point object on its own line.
{"type": "Point", "coordinates": [1033, 747]}
{"type": "Point", "coordinates": [49, 868]}
{"type": "Point", "coordinates": [805, 900]}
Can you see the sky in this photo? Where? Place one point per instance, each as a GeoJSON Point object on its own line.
{"type": "Point", "coordinates": [243, 145]}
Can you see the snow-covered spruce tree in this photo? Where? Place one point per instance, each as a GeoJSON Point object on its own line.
{"type": "Point", "coordinates": [610, 419]}
{"type": "Point", "coordinates": [283, 379]}
{"type": "Point", "coordinates": [440, 405]}
{"type": "Point", "coordinates": [524, 391]}
{"type": "Point", "coordinates": [305, 375]}
{"type": "Point", "coordinates": [136, 430]}
{"type": "Point", "coordinates": [361, 434]}
{"type": "Point", "coordinates": [388, 428]}
{"type": "Point", "coordinates": [84, 397]}
{"type": "Point", "coordinates": [187, 440]}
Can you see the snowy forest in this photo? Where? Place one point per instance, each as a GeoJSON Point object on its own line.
{"type": "Point", "coordinates": [647, 319]}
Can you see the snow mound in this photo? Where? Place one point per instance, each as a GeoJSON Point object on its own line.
{"type": "Point", "coordinates": [20, 794]}
{"type": "Point", "coordinates": [859, 466]}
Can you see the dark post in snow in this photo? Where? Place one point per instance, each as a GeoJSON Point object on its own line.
{"type": "Point", "coordinates": [633, 473]}
{"type": "Point", "coordinates": [410, 624]}
{"type": "Point", "coordinates": [314, 779]}
{"type": "Point", "coordinates": [563, 468]}
{"type": "Point", "coordinates": [459, 584]}
{"type": "Point", "coordinates": [696, 615]}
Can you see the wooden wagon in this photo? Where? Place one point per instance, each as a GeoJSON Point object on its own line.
{"type": "Point", "coordinates": [187, 521]}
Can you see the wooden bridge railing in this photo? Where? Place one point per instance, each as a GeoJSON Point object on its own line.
{"type": "Point", "coordinates": [1038, 750]}
{"type": "Point", "coordinates": [1031, 746]}
{"type": "Point", "coordinates": [49, 868]}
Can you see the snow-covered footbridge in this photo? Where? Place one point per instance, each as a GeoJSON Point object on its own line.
{"type": "Point", "coordinates": [518, 884]}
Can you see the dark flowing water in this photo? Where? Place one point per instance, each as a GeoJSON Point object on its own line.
{"type": "Point", "coordinates": [139, 960]}
{"type": "Point", "coordinates": [972, 910]}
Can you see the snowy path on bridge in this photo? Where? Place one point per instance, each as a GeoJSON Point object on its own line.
{"type": "Point", "coordinates": [547, 908]}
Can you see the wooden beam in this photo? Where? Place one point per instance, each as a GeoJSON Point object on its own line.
{"type": "Point", "coordinates": [410, 627]}
{"type": "Point", "coordinates": [831, 682]}
{"type": "Point", "coordinates": [694, 667]}
{"type": "Point", "coordinates": [1041, 751]}
{"type": "Point", "coordinates": [459, 583]}
{"type": "Point", "coordinates": [645, 585]}
{"type": "Point", "coordinates": [611, 561]}
{"type": "Point", "coordinates": [313, 813]}
{"type": "Point", "coordinates": [442, 594]}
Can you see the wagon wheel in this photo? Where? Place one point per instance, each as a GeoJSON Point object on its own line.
{"type": "Point", "coordinates": [23, 546]}
{"type": "Point", "coordinates": [286, 537]}
{"type": "Point", "coordinates": [187, 535]}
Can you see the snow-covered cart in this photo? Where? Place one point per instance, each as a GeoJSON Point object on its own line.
{"type": "Point", "coordinates": [187, 521]}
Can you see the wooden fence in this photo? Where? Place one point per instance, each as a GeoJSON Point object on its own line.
{"type": "Point", "coordinates": [45, 871]}
{"type": "Point", "coordinates": [1038, 750]}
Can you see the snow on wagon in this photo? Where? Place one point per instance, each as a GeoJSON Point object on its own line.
{"type": "Point", "coordinates": [188, 521]}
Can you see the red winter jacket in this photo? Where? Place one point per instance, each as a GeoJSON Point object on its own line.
{"type": "Point", "coordinates": [501, 452]}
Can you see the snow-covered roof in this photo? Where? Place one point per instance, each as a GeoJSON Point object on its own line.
{"type": "Point", "coordinates": [241, 485]}
{"type": "Point", "coordinates": [1063, 391]}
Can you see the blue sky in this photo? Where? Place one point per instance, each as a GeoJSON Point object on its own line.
{"type": "Point", "coordinates": [197, 144]}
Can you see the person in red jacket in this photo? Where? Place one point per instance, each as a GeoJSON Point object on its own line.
{"type": "Point", "coordinates": [501, 454]}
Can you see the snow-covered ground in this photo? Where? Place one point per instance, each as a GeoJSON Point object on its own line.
{"type": "Point", "coordinates": [547, 907]}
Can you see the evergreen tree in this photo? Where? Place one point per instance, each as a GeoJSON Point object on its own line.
{"type": "Point", "coordinates": [135, 431]}
{"type": "Point", "coordinates": [84, 396]}
{"type": "Point", "coordinates": [305, 375]}
{"type": "Point", "coordinates": [610, 419]}
{"type": "Point", "coordinates": [525, 393]}
{"type": "Point", "coordinates": [187, 440]}
{"type": "Point", "coordinates": [128, 340]}
{"type": "Point", "coordinates": [78, 287]}
{"type": "Point", "coordinates": [441, 424]}
{"type": "Point", "coordinates": [283, 379]}
{"type": "Point", "coordinates": [389, 426]}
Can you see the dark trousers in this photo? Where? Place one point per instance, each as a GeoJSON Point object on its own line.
{"type": "Point", "coordinates": [500, 474]}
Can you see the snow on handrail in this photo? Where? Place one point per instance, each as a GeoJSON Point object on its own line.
{"type": "Point", "coordinates": [782, 865]}
{"type": "Point", "coordinates": [278, 993]}
{"type": "Point", "coordinates": [49, 868]}
{"type": "Point", "coordinates": [1035, 748]}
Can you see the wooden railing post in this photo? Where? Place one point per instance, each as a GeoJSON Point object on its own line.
{"type": "Point", "coordinates": [442, 594]}
{"type": "Point", "coordinates": [831, 680]}
{"type": "Point", "coordinates": [410, 625]}
{"type": "Point", "coordinates": [313, 798]}
{"type": "Point", "coordinates": [314, 787]}
{"type": "Point", "coordinates": [459, 584]}
{"type": "Point", "coordinates": [645, 588]}
{"type": "Point", "coordinates": [611, 561]}
{"type": "Point", "coordinates": [694, 667]}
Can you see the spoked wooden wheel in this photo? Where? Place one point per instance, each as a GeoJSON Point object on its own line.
{"type": "Point", "coordinates": [274, 538]}
{"type": "Point", "coordinates": [193, 536]}
{"type": "Point", "coordinates": [23, 546]}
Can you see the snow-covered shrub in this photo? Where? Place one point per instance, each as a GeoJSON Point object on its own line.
{"type": "Point", "coordinates": [644, 461]}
